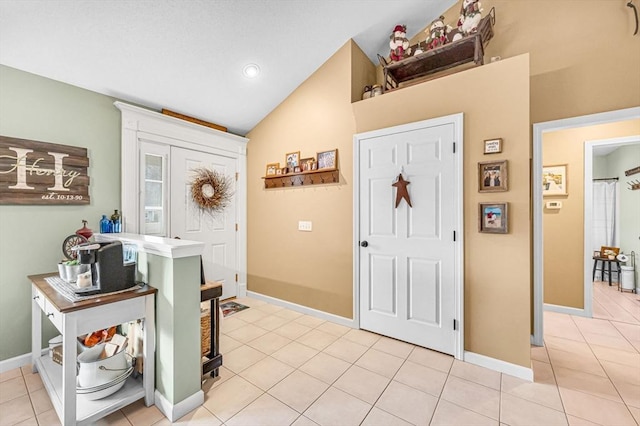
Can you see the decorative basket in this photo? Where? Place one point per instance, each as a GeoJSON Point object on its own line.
{"type": "Point", "coordinates": [56, 354]}
{"type": "Point", "coordinates": [205, 331]}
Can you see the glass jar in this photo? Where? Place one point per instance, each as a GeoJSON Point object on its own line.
{"type": "Point", "coordinates": [105, 225]}
{"type": "Point", "coordinates": [116, 222]}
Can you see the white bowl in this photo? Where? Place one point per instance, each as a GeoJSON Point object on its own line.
{"type": "Point", "coordinates": [103, 391]}
{"type": "Point", "coordinates": [94, 371]}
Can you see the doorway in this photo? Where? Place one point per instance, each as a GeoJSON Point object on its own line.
{"type": "Point", "coordinates": [151, 147]}
{"type": "Point", "coordinates": [408, 265]}
{"type": "Point", "coordinates": [539, 130]}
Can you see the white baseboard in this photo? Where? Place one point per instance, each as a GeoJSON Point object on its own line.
{"type": "Point", "coordinates": [242, 290]}
{"type": "Point", "coordinates": [499, 365]}
{"type": "Point", "coordinates": [182, 408]}
{"type": "Point", "coordinates": [348, 322]}
{"type": "Point", "coordinates": [565, 310]}
{"type": "Point", "coordinates": [18, 361]}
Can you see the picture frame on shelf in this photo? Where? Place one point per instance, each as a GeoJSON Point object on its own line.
{"type": "Point", "coordinates": [308, 164]}
{"type": "Point", "coordinates": [493, 218]}
{"type": "Point", "coordinates": [493, 146]}
{"type": "Point", "coordinates": [596, 253]}
{"type": "Point", "coordinates": [328, 159]}
{"type": "Point", "coordinates": [279, 172]}
{"type": "Point", "coordinates": [555, 180]}
{"type": "Point", "coordinates": [492, 176]}
{"type": "Point", "coordinates": [272, 169]}
{"type": "Point", "coordinates": [292, 159]}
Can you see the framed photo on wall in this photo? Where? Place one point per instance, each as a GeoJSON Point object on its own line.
{"type": "Point", "coordinates": [292, 160]}
{"type": "Point", "coordinates": [492, 176]}
{"type": "Point", "coordinates": [493, 217]}
{"type": "Point", "coordinates": [554, 180]}
{"type": "Point", "coordinates": [272, 169]}
{"type": "Point", "coordinates": [493, 146]}
{"type": "Point", "coordinates": [328, 159]}
{"type": "Point", "coordinates": [308, 164]}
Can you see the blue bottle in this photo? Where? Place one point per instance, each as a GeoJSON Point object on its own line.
{"type": "Point", "coordinates": [105, 225]}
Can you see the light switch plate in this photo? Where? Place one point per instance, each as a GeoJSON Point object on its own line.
{"type": "Point", "coordinates": [304, 225]}
{"type": "Point", "coordinates": [553, 205]}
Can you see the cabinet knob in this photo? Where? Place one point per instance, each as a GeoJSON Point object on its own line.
{"type": "Point", "coordinates": [36, 297]}
{"type": "Point", "coordinates": [50, 314]}
{"type": "Point", "coordinates": [364, 244]}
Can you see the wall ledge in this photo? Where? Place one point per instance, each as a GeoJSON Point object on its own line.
{"type": "Point", "coordinates": [505, 367]}
{"type": "Point", "coordinates": [165, 247]}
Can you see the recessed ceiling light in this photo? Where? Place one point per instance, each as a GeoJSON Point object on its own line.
{"type": "Point", "coordinates": [251, 70]}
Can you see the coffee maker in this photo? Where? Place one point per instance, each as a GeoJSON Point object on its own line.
{"type": "Point", "coordinates": [109, 272]}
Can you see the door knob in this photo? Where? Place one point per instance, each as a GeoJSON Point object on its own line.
{"type": "Point", "coordinates": [364, 244]}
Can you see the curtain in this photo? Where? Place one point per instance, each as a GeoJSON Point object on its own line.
{"type": "Point", "coordinates": [604, 216]}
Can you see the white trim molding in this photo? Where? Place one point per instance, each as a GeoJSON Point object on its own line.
{"type": "Point", "coordinates": [347, 322]}
{"type": "Point", "coordinates": [566, 310]}
{"type": "Point", "coordinates": [141, 127]}
{"type": "Point", "coordinates": [175, 411]}
{"type": "Point", "coordinates": [505, 367]}
{"type": "Point", "coordinates": [18, 361]}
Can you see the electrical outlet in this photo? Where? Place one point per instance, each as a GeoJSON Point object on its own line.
{"type": "Point", "coordinates": [304, 226]}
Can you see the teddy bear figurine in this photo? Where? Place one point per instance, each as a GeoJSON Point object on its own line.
{"type": "Point", "coordinates": [470, 16]}
{"type": "Point", "coordinates": [399, 43]}
{"type": "Point", "coordinates": [437, 33]}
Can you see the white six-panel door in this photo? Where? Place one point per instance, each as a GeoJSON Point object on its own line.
{"type": "Point", "coordinates": [187, 222]}
{"type": "Point", "coordinates": [407, 255]}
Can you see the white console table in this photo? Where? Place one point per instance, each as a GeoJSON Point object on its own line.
{"type": "Point", "coordinates": [73, 319]}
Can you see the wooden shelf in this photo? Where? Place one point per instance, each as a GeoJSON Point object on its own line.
{"type": "Point", "coordinates": [311, 177]}
{"type": "Point", "coordinates": [468, 49]}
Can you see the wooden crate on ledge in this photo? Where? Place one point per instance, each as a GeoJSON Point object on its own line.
{"type": "Point", "coordinates": [466, 50]}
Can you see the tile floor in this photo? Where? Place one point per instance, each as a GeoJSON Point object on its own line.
{"type": "Point", "coordinates": [285, 368]}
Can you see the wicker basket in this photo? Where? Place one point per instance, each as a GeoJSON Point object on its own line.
{"type": "Point", "coordinates": [56, 354]}
{"type": "Point", "coordinates": [205, 331]}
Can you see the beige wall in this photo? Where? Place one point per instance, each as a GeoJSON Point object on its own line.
{"type": "Point", "coordinates": [583, 55]}
{"type": "Point", "coordinates": [497, 267]}
{"type": "Point", "coordinates": [564, 229]}
{"type": "Point", "coordinates": [569, 73]}
{"type": "Point", "coordinates": [309, 268]}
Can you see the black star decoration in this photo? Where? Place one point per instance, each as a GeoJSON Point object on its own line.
{"type": "Point", "coordinates": [401, 190]}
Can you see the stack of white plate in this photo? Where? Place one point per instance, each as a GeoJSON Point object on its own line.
{"type": "Point", "coordinates": [105, 389]}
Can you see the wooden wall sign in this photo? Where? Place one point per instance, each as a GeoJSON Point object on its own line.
{"type": "Point", "coordinates": [33, 172]}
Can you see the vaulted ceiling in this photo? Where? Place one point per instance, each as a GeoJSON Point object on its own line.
{"type": "Point", "coordinates": [188, 55]}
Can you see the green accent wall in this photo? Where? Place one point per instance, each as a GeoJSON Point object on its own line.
{"type": "Point", "coordinates": [178, 369]}
{"type": "Point", "coordinates": [37, 108]}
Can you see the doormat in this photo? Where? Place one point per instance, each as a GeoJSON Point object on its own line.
{"type": "Point", "coordinates": [230, 308]}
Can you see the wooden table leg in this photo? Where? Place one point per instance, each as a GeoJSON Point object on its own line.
{"type": "Point", "coordinates": [609, 262]}
{"type": "Point", "coordinates": [595, 265]}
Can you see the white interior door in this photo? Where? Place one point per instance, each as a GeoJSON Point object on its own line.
{"type": "Point", "coordinates": [407, 267]}
{"type": "Point", "coordinates": [188, 222]}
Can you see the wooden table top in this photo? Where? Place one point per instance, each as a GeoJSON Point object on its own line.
{"type": "Point", "coordinates": [615, 259]}
{"type": "Point", "coordinates": [64, 305]}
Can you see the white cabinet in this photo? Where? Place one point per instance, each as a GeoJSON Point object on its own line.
{"type": "Point", "coordinates": [73, 319]}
